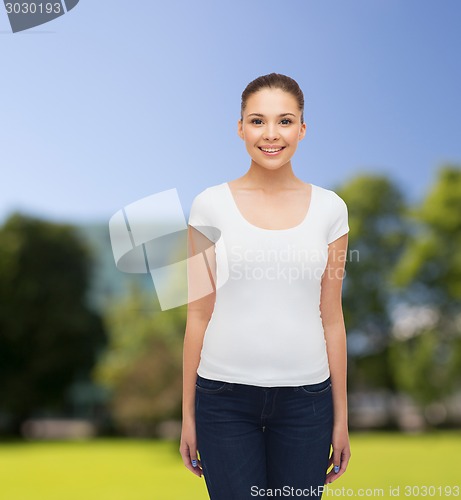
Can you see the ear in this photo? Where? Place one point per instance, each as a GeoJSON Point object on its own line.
{"type": "Point", "coordinates": [240, 129]}
{"type": "Point", "coordinates": [302, 132]}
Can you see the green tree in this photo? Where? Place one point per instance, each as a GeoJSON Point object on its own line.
{"type": "Point", "coordinates": [49, 336]}
{"type": "Point", "coordinates": [376, 239]}
{"type": "Point", "coordinates": [426, 360]}
{"type": "Point", "coordinates": [142, 367]}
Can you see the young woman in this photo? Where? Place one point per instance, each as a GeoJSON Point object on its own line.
{"type": "Point", "coordinates": [264, 379]}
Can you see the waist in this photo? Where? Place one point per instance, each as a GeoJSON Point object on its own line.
{"type": "Point", "coordinates": [315, 387]}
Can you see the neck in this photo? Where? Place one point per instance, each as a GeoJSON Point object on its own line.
{"type": "Point", "coordinates": [258, 176]}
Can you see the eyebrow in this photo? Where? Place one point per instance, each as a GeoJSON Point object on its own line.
{"type": "Point", "coordinates": [283, 114]}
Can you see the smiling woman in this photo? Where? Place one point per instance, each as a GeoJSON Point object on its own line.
{"type": "Point", "coordinates": [264, 395]}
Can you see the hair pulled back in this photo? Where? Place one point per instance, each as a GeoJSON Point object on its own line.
{"type": "Point", "coordinates": [275, 81]}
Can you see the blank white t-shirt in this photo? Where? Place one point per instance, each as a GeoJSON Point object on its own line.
{"type": "Point", "coordinates": [266, 327]}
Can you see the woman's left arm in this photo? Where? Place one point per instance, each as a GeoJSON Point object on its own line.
{"type": "Point", "coordinates": [335, 336]}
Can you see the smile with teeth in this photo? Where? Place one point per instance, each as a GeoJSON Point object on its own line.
{"type": "Point", "coordinates": [271, 150]}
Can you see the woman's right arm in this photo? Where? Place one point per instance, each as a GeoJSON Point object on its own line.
{"type": "Point", "coordinates": [201, 272]}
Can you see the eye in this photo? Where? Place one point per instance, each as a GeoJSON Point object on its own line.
{"type": "Point", "coordinates": [287, 120]}
{"type": "Point", "coordinates": [256, 120]}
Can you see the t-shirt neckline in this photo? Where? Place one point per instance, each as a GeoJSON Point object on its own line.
{"type": "Point", "coordinates": [307, 216]}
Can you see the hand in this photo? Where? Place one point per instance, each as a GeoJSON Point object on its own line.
{"type": "Point", "coordinates": [188, 446]}
{"type": "Point", "coordinates": [341, 453]}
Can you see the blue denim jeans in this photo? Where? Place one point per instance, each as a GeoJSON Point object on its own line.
{"type": "Point", "coordinates": [252, 439]}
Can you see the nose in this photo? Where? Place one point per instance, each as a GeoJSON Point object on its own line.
{"type": "Point", "coordinates": [270, 132]}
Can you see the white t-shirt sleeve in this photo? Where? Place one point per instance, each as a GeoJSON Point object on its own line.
{"type": "Point", "coordinates": [339, 219]}
{"type": "Point", "coordinates": [201, 215]}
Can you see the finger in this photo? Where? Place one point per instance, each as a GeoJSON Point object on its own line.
{"type": "Point", "coordinates": [332, 476]}
{"type": "Point", "coordinates": [336, 461]}
{"type": "Point", "coordinates": [191, 461]}
{"type": "Point", "coordinates": [197, 470]}
{"type": "Point", "coordinates": [195, 463]}
{"type": "Point", "coordinates": [345, 456]}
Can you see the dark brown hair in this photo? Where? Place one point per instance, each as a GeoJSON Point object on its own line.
{"type": "Point", "coordinates": [276, 81]}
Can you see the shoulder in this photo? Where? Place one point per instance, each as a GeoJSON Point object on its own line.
{"type": "Point", "coordinates": [207, 200]}
{"type": "Point", "coordinates": [210, 192]}
{"type": "Point", "coordinates": [330, 197]}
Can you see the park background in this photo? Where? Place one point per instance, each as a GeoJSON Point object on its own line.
{"type": "Point", "coordinates": [116, 101]}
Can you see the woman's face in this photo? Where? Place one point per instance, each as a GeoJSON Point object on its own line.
{"type": "Point", "coordinates": [271, 127]}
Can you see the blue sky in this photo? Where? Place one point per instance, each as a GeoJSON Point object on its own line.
{"type": "Point", "coordinates": [115, 101]}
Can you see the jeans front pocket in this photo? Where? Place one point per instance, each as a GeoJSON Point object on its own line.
{"type": "Point", "coordinates": [210, 386]}
{"type": "Point", "coordinates": [319, 388]}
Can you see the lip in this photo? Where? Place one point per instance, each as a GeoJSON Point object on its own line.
{"type": "Point", "coordinates": [271, 146]}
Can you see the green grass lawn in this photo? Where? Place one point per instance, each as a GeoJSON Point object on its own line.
{"type": "Point", "coordinates": [153, 470]}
